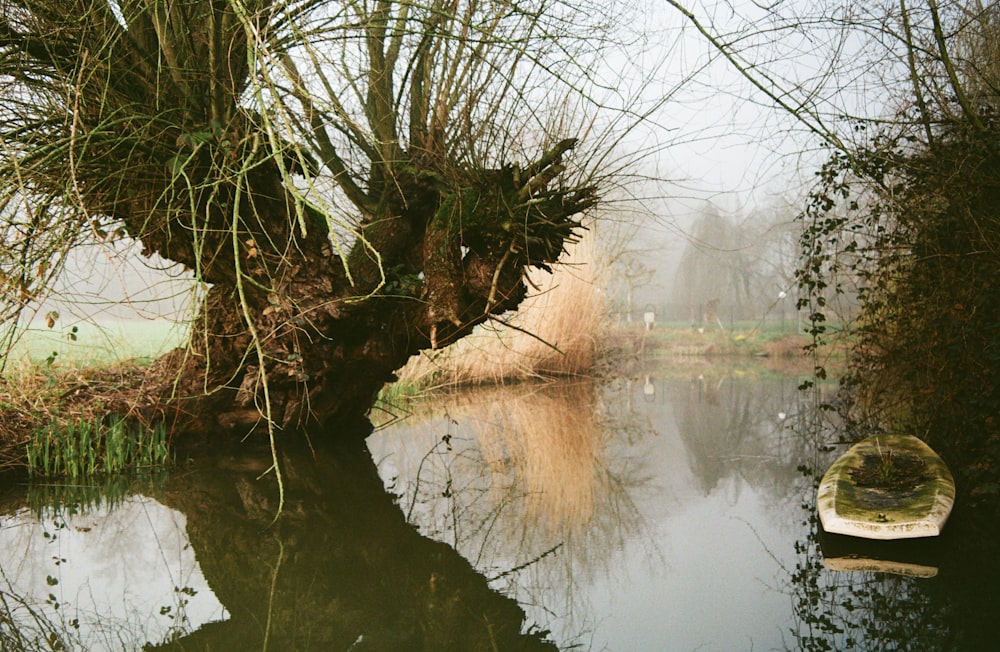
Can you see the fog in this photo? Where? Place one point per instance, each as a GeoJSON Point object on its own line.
{"type": "Point", "coordinates": [110, 282]}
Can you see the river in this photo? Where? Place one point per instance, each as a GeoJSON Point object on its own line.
{"type": "Point", "coordinates": [670, 511]}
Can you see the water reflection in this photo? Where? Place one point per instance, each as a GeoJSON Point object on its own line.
{"type": "Point", "coordinates": [846, 605]}
{"type": "Point", "coordinates": [909, 557]}
{"type": "Point", "coordinates": [67, 573]}
{"type": "Point", "coordinates": [340, 570]}
{"type": "Point", "coordinates": [627, 515]}
{"type": "Point", "coordinates": [662, 513]}
{"type": "Point", "coordinates": [527, 484]}
{"type": "Point", "coordinates": [919, 595]}
{"type": "Point", "coordinates": [652, 513]}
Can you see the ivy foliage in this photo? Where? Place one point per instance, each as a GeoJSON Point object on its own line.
{"type": "Point", "coordinates": [914, 229]}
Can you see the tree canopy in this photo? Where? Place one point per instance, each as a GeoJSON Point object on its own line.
{"type": "Point", "coordinates": [351, 181]}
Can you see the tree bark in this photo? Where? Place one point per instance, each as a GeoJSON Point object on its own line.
{"type": "Point", "coordinates": [292, 334]}
{"type": "Point", "coordinates": [189, 127]}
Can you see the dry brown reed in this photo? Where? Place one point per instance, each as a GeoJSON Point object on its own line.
{"type": "Point", "coordinates": [550, 445]}
{"type": "Point", "coordinates": [537, 451]}
{"type": "Point", "coordinates": [555, 332]}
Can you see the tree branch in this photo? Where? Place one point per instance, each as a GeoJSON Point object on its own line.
{"type": "Point", "coordinates": [328, 152]}
{"type": "Point", "coordinates": [914, 78]}
{"type": "Point", "coordinates": [811, 122]}
{"type": "Point", "coordinates": [949, 66]}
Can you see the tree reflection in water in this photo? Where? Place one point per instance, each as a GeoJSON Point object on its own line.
{"type": "Point", "coordinates": [564, 492]}
{"type": "Point", "coordinates": [533, 483]}
{"type": "Point", "coordinates": [341, 569]}
{"type": "Point", "coordinates": [641, 514]}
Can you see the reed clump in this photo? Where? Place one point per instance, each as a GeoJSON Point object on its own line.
{"type": "Point", "coordinates": [555, 332]}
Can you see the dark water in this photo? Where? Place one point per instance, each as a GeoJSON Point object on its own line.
{"type": "Point", "coordinates": [643, 514]}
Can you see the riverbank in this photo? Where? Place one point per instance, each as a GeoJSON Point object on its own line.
{"type": "Point", "coordinates": [68, 388]}
{"type": "Point", "coordinates": [629, 347]}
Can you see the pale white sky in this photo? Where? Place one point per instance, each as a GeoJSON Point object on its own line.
{"type": "Point", "coordinates": [727, 141]}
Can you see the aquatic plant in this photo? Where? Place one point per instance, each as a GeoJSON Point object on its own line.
{"type": "Point", "coordinates": [85, 447]}
{"type": "Point", "coordinates": [886, 469]}
{"type": "Point", "coordinates": [110, 491]}
{"type": "Point", "coordinates": [891, 469]}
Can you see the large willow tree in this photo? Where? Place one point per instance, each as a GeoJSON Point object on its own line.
{"type": "Point", "coordinates": [351, 181]}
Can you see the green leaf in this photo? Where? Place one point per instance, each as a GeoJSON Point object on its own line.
{"type": "Point", "coordinates": [176, 165]}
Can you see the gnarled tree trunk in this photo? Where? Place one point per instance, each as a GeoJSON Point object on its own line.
{"type": "Point", "coordinates": [351, 181]}
{"type": "Point", "coordinates": [328, 340]}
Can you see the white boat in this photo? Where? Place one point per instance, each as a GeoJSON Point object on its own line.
{"type": "Point", "coordinates": [886, 487]}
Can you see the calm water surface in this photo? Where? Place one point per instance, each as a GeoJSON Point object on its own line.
{"type": "Point", "coordinates": [640, 515]}
{"type": "Point", "coordinates": [636, 514]}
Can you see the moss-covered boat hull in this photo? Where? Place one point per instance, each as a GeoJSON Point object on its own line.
{"type": "Point", "coordinates": [886, 487]}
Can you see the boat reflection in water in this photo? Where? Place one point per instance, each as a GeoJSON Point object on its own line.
{"type": "Point", "coordinates": [909, 557]}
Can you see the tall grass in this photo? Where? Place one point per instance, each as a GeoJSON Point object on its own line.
{"type": "Point", "coordinates": [555, 332]}
{"type": "Point", "coordinates": [58, 384]}
{"type": "Point", "coordinates": [87, 447]}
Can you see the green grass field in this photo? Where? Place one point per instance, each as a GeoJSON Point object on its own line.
{"type": "Point", "coordinates": [87, 343]}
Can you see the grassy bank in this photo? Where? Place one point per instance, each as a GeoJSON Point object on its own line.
{"type": "Point", "coordinates": [68, 420]}
{"type": "Point", "coordinates": [82, 344]}
{"type": "Point", "coordinates": [630, 350]}
{"type": "Point", "coordinates": [749, 339]}
{"type": "Point", "coordinates": [61, 396]}
{"type": "Point", "coordinates": [72, 375]}
{"type": "Point", "coordinates": [629, 347]}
